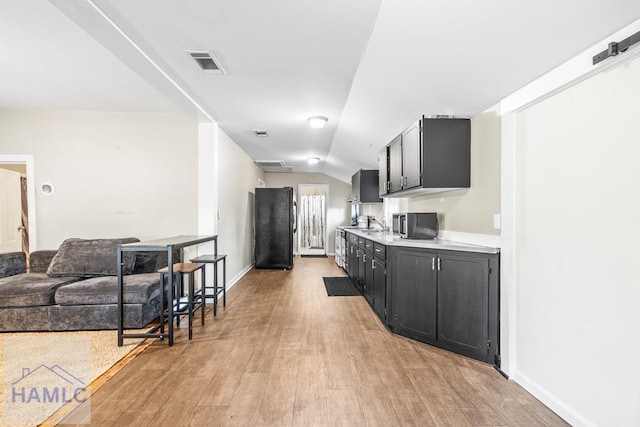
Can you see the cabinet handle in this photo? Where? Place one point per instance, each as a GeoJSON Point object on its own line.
{"type": "Point", "coordinates": [433, 263]}
{"type": "Point", "coordinates": [373, 264]}
{"type": "Point", "coordinates": [357, 253]}
{"type": "Point", "coordinates": [364, 257]}
{"type": "Point", "coordinates": [351, 249]}
{"type": "Point", "coordinates": [439, 264]}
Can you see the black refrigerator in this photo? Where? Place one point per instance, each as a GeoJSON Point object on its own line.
{"type": "Point", "coordinates": [275, 216]}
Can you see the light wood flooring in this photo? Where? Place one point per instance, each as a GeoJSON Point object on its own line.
{"type": "Point", "coordinates": [284, 354]}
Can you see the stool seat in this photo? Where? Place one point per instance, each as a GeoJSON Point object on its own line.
{"type": "Point", "coordinates": [217, 289]}
{"type": "Point", "coordinates": [195, 299]}
{"type": "Point", "coordinates": [209, 258]}
{"type": "Point", "coordinates": [183, 267]}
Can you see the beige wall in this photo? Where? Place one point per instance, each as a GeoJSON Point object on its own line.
{"type": "Point", "coordinates": [576, 245]}
{"type": "Point", "coordinates": [472, 210]}
{"type": "Point", "coordinates": [237, 180]}
{"type": "Point", "coordinates": [338, 209]}
{"type": "Point", "coordinates": [115, 174]}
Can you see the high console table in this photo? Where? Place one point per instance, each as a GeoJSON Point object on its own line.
{"type": "Point", "coordinates": [160, 245]}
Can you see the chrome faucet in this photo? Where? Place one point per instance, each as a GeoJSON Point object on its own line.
{"type": "Point", "coordinates": [384, 227]}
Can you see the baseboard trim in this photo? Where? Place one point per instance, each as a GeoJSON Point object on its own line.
{"type": "Point", "coordinates": [239, 276]}
{"type": "Point", "coordinates": [552, 401]}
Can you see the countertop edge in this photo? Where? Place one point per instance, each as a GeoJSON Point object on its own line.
{"type": "Point", "coordinates": [388, 239]}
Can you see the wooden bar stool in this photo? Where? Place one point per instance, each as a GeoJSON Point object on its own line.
{"type": "Point", "coordinates": [216, 288]}
{"type": "Point", "coordinates": [195, 299]}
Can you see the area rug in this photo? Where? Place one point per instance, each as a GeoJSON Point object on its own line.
{"type": "Point", "coordinates": [340, 287]}
{"type": "Point", "coordinates": [43, 372]}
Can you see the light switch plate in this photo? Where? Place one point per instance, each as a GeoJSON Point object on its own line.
{"type": "Point", "coordinates": [496, 221]}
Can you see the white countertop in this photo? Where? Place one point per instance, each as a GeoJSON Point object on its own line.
{"type": "Point", "coordinates": [389, 239]}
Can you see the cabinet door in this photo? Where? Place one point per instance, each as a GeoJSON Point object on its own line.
{"type": "Point", "coordinates": [413, 294]}
{"type": "Point", "coordinates": [447, 153]}
{"type": "Point", "coordinates": [353, 262]}
{"type": "Point", "coordinates": [395, 165]}
{"type": "Point", "coordinates": [355, 187]}
{"type": "Point", "coordinates": [361, 268]}
{"type": "Point", "coordinates": [463, 303]}
{"type": "Point", "coordinates": [379, 293]}
{"type": "Point", "coordinates": [411, 157]}
{"type": "Point", "coordinates": [383, 172]}
{"type": "Point", "coordinates": [368, 278]}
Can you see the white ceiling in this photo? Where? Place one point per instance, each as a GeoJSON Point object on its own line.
{"type": "Point", "coordinates": [370, 66]}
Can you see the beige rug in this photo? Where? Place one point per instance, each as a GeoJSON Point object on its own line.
{"type": "Point", "coordinates": [44, 371]}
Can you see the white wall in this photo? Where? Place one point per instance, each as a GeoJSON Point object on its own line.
{"type": "Point", "coordinates": [338, 209]}
{"type": "Point", "coordinates": [115, 174]}
{"type": "Point", "coordinates": [576, 248]}
{"type": "Point", "coordinates": [472, 210]}
{"type": "Point", "coordinates": [237, 180]}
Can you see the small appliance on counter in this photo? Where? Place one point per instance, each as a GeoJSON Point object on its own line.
{"type": "Point", "coordinates": [395, 223]}
{"type": "Point", "coordinates": [417, 225]}
{"type": "Point", "coordinates": [363, 221]}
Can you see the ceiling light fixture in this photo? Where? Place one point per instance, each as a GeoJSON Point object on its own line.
{"type": "Point", "coordinates": [313, 160]}
{"type": "Point", "coordinates": [317, 122]}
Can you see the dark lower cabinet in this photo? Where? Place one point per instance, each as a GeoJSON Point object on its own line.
{"type": "Point", "coordinates": [413, 294]}
{"type": "Point", "coordinates": [463, 303]}
{"type": "Point", "coordinates": [379, 285]}
{"type": "Point", "coordinates": [448, 299]}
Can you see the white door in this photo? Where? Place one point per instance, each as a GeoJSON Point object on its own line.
{"type": "Point", "coordinates": [10, 212]}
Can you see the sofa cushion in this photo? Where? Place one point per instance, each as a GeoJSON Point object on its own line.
{"type": "Point", "coordinates": [138, 289]}
{"type": "Point", "coordinates": [39, 260]}
{"type": "Point", "coordinates": [12, 263]}
{"type": "Point", "coordinates": [29, 289]}
{"type": "Point", "coordinates": [90, 258]}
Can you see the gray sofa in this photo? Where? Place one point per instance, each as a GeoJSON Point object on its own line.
{"type": "Point", "coordinates": [75, 287]}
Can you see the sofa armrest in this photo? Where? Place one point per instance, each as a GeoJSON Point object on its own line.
{"type": "Point", "coordinates": [39, 260]}
{"type": "Point", "coordinates": [12, 263]}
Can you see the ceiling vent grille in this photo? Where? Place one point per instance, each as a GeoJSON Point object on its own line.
{"type": "Point", "coordinates": [206, 61]}
{"type": "Point", "coordinates": [273, 166]}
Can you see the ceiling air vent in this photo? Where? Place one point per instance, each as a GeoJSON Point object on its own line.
{"type": "Point", "coordinates": [273, 166]}
{"type": "Point", "coordinates": [261, 132]}
{"type": "Point", "coordinates": [206, 61]}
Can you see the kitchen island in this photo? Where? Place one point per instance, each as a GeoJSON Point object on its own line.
{"type": "Point", "coordinates": [440, 292]}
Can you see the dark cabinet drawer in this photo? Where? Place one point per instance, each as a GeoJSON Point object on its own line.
{"type": "Point", "coordinates": [368, 246]}
{"type": "Point", "coordinates": [380, 251]}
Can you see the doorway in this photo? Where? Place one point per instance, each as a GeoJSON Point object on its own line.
{"type": "Point", "coordinates": [312, 222]}
{"type": "Point", "coordinates": [17, 200]}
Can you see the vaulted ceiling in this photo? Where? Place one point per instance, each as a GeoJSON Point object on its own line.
{"type": "Point", "coordinates": [370, 66]}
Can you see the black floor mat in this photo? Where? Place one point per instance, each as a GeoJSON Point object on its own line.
{"type": "Point", "coordinates": [313, 256]}
{"type": "Point", "coordinates": [340, 287]}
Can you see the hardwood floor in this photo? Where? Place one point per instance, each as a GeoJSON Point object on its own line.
{"type": "Point", "coordinates": [284, 354]}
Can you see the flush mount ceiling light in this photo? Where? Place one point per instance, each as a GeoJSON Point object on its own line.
{"type": "Point", "coordinates": [313, 160]}
{"type": "Point", "coordinates": [317, 122]}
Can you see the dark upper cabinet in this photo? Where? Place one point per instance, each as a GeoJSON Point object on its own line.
{"type": "Point", "coordinates": [395, 165]}
{"type": "Point", "coordinates": [411, 158]}
{"type": "Point", "coordinates": [431, 155]}
{"type": "Point", "coordinates": [364, 187]}
{"type": "Point", "coordinates": [383, 171]}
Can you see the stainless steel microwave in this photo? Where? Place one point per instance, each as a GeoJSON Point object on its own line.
{"type": "Point", "coordinates": [418, 225]}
